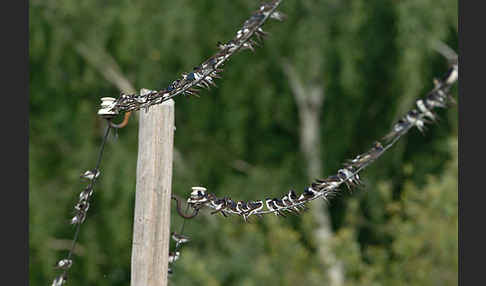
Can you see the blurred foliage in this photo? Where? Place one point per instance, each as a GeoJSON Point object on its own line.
{"type": "Point", "coordinates": [373, 58]}
{"type": "Point", "coordinates": [420, 234]}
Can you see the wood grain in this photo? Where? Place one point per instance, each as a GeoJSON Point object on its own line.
{"type": "Point", "coordinates": [151, 230]}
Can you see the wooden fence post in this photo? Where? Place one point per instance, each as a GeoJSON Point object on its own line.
{"type": "Point", "coordinates": [151, 229]}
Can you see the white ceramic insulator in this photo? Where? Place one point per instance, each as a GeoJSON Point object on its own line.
{"type": "Point", "coordinates": [107, 104]}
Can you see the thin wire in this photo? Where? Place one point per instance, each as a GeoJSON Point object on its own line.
{"type": "Point", "coordinates": [178, 243]}
{"type": "Point", "coordinates": [160, 94]}
{"type": "Point", "coordinates": [444, 85]}
{"type": "Point", "coordinates": [347, 177]}
{"type": "Point", "coordinates": [91, 186]}
{"type": "Point", "coordinates": [177, 247]}
{"type": "Point", "coordinates": [183, 223]}
{"type": "Point", "coordinates": [230, 53]}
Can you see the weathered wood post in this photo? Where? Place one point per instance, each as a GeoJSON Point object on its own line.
{"type": "Point", "coordinates": [151, 229]}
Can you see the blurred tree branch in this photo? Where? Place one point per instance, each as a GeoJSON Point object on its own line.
{"type": "Point", "coordinates": [310, 98]}
{"type": "Point", "coordinates": [106, 65]}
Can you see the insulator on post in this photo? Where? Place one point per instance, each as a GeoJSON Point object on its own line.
{"type": "Point", "coordinates": [107, 111]}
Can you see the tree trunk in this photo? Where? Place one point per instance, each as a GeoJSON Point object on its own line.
{"type": "Point", "coordinates": [309, 100]}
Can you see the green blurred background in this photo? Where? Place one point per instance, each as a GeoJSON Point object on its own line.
{"type": "Point", "coordinates": [369, 59]}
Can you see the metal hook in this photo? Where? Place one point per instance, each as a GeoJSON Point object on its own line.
{"type": "Point", "coordinates": [108, 112]}
{"type": "Point", "coordinates": [179, 206]}
{"type": "Point", "coordinates": [123, 123]}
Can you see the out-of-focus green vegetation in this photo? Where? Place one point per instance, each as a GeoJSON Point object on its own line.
{"type": "Point", "coordinates": [373, 58]}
